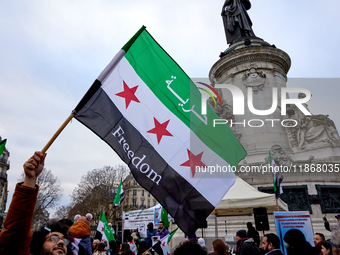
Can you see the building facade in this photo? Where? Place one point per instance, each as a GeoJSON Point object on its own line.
{"type": "Point", "coordinates": [136, 198]}
{"type": "Point", "coordinates": [4, 167]}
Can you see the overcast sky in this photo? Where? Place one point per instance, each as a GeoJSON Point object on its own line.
{"type": "Point", "coordinates": [51, 52]}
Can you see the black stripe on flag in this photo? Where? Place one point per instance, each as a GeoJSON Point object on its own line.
{"type": "Point", "coordinates": [184, 203]}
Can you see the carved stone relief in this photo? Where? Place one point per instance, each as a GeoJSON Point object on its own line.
{"type": "Point", "coordinates": [254, 79]}
{"type": "Point", "coordinates": [296, 197]}
{"type": "Point", "coordinates": [279, 156]}
{"type": "Point", "coordinates": [310, 131]}
{"type": "Point", "coordinates": [329, 197]}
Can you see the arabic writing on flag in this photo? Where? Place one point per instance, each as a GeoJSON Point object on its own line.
{"type": "Point", "coordinates": [104, 229]}
{"type": "Point", "coordinates": [149, 111]}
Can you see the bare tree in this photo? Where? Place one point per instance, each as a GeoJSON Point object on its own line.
{"type": "Point", "coordinates": [49, 192]}
{"type": "Point", "coordinates": [62, 212]}
{"type": "Point", "coordinates": [95, 192]}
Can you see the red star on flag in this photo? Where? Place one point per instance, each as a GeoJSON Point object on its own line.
{"type": "Point", "coordinates": [160, 129]}
{"type": "Point", "coordinates": [194, 160]}
{"type": "Point", "coordinates": [163, 244]}
{"type": "Point", "coordinates": [168, 253]}
{"type": "Point", "coordinates": [102, 229]}
{"type": "Point", "coordinates": [128, 94]}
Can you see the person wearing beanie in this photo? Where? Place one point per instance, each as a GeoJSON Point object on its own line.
{"type": "Point", "coordinates": [245, 245]}
{"type": "Point", "coordinates": [80, 233]}
{"type": "Point", "coordinates": [296, 243]}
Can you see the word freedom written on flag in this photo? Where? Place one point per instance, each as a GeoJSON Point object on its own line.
{"type": "Point", "coordinates": [147, 109]}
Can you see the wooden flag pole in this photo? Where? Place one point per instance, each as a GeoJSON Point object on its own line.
{"type": "Point", "coordinates": [57, 133]}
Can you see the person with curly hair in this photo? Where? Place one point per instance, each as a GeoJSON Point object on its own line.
{"type": "Point", "coordinates": [16, 236]}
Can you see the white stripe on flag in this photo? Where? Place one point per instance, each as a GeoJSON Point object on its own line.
{"type": "Point", "coordinates": [172, 149]}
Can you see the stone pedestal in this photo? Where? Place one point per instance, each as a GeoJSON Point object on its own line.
{"type": "Point", "coordinates": [259, 67]}
{"type": "Point", "coordinates": [309, 150]}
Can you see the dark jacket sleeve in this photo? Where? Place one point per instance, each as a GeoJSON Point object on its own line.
{"type": "Point", "coordinates": [16, 235]}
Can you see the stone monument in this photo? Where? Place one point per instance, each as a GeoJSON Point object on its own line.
{"type": "Point", "coordinates": [307, 145]}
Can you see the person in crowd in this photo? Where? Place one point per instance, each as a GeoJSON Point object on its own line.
{"type": "Point", "coordinates": [135, 234]}
{"type": "Point", "coordinates": [16, 235]}
{"type": "Point", "coordinates": [318, 240]}
{"type": "Point", "coordinates": [149, 234]}
{"type": "Point", "coordinates": [296, 243]}
{"type": "Point", "coordinates": [219, 247]}
{"type": "Point", "coordinates": [334, 229]}
{"type": "Point", "coordinates": [245, 245]}
{"type": "Point", "coordinates": [125, 249]}
{"type": "Point", "coordinates": [100, 249]}
{"type": "Point", "coordinates": [113, 248]}
{"type": "Point", "coordinates": [132, 244]}
{"type": "Point", "coordinates": [161, 231]}
{"type": "Point", "coordinates": [94, 244]}
{"type": "Point", "coordinates": [271, 244]}
{"type": "Point", "coordinates": [49, 239]}
{"type": "Point", "coordinates": [113, 231]}
{"type": "Point", "coordinates": [201, 242]}
{"type": "Point", "coordinates": [252, 233]}
{"type": "Point", "coordinates": [326, 249]}
{"type": "Point", "coordinates": [141, 248]}
{"type": "Point", "coordinates": [189, 248]}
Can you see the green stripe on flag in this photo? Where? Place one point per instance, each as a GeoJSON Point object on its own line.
{"type": "Point", "coordinates": [127, 46]}
{"type": "Point", "coordinates": [117, 199]}
{"type": "Point", "coordinates": [179, 94]}
{"type": "Point", "coordinates": [107, 233]}
{"type": "Point", "coordinates": [2, 145]}
{"type": "Point", "coordinates": [164, 217]}
{"type": "Point", "coordinates": [171, 234]}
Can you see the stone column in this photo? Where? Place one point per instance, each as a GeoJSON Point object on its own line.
{"type": "Point", "coordinates": [256, 65]}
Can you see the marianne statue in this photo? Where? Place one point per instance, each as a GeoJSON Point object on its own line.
{"type": "Point", "coordinates": [237, 23]}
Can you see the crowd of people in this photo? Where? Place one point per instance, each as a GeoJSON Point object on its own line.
{"type": "Point", "coordinates": [66, 237]}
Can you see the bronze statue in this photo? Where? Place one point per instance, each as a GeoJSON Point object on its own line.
{"type": "Point", "coordinates": [237, 23]}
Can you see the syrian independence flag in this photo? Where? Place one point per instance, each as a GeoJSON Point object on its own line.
{"type": "Point", "coordinates": [149, 111]}
{"type": "Point", "coordinates": [104, 229]}
{"type": "Point", "coordinates": [2, 145]}
{"type": "Point", "coordinates": [277, 177]}
{"type": "Point", "coordinates": [162, 247]}
{"type": "Point", "coordinates": [120, 194]}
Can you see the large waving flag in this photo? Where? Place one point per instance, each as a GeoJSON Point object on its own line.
{"type": "Point", "coordinates": [104, 229]}
{"type": "Point", "coordinates": [149, 111]}
{"type": "Point", "coordinates": [120, 194]}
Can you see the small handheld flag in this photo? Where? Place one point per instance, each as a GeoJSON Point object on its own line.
{"type": "Point", "coordinates": [277, 177]}
{"type": "Point", "coordinates": [120, 194]}
{"type": "Point", "coordinates": [104, 229]}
